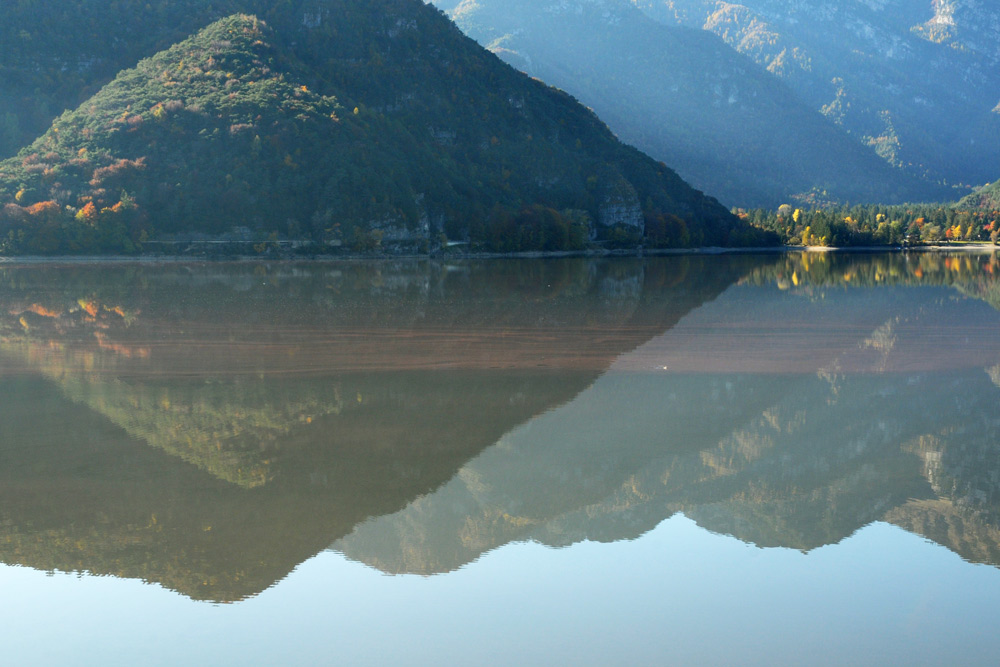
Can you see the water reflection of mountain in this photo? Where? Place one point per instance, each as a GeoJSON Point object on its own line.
{"type": "Point", "coordinates": [210, 427]}
{"type": "Point", "coordinates": [788, 412]}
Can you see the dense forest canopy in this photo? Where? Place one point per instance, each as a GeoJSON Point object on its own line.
{"type": "Point", "coordinates": [985, 198]}
{"type": "Point", "coordinates": [878, 225]}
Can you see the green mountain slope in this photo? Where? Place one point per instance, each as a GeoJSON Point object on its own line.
{"type": "Point", "coordinates": [357, 123]}
{"type": "Point", "coordinates": [987, 198]}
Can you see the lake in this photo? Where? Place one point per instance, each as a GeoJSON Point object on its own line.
{"type": "Point", "coordinates": [733, 459]}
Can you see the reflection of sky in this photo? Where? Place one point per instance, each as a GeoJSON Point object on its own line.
{"type": "Point", "coordinates": [677, 595]}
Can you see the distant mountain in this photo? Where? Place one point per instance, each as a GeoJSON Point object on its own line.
{"type": "Point", "coordinates": [918, 81]}
{"type": "Point", "coordinates": [685, 97]}
{"type": "Point", "coordinates": [356, 123]}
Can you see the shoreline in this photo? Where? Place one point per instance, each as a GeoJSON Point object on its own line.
{"type": "Point", "coordinates": [638, 252]}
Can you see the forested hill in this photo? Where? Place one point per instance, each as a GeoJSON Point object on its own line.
{"type": "Point", "coordinates": [57, 53]}
{"type": "Point", "coordinates": [684, 96]}
{"type": "Point", "coordinates": [340, 121]}
{"type": "Point", "coordinates": [986, 198]}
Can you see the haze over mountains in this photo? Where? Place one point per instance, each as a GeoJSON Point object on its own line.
{"type": "Point", "coordinates": [728, 126]}
{"type": "Point", "coordinates": [351, 122]}
{"type": "Point", "coordinates": [917, 80]}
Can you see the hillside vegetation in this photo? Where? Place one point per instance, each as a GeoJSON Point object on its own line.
{"type": "Point", "coordinates": [986, 198]}
{"type": "Point", "coordinates": [57, 53]}
{"type": "Point", "coordinates": [344, 123]}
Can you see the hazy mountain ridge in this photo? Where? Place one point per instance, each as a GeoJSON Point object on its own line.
{"type": "Point", "coordinates": [915, 80]}
{"type": "Point", "coordinates": [724, 123]}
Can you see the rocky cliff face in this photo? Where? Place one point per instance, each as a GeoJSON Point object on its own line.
{"type": "Point", "coordinates": [965, 24]}
{"type": "Point", "coordinates": [620, 207]}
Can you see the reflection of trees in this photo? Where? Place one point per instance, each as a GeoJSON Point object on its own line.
{"type": "Point", "coordinates": [193, 361]}
{"type": "Point", "coordinates": [975, 274]}
{"type": "Point", "coordinates": [307, 397]}
{"type": "Point", "coordinates": [227, 428]}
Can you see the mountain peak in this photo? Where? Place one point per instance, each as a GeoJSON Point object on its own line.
{"type": "Point", "coordinates": [383, 126]}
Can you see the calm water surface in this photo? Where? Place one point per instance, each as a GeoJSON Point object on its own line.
{"type": "Point", "coordinates": [691, 460]}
